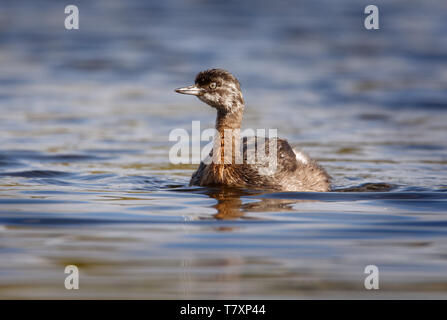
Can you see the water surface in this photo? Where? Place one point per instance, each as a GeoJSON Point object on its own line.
{"type": "Point", "coordinates": [85, 177]}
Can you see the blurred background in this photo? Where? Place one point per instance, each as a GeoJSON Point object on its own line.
{"type": "Point", "coordinates": [85, 177]}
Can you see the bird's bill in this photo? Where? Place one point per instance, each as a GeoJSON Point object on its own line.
{"type": "Point", "coordinates": [193, 90]}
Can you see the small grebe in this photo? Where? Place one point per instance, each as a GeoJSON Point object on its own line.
{"type": "Point", "coordinates": [294, 171]}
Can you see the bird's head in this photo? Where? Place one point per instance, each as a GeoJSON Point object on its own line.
{"type": "Point", "coordinates": [217, 88]}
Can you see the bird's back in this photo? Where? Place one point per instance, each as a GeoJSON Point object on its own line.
{"type": "Point", "coordinates": [283, 170]}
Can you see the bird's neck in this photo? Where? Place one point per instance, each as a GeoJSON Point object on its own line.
{"type": "Point", "coordinates": [229, 111]}
{"type": "Point", "coordinates": [228, 136]}
{"type": "Point", "coordinates": [228, 120]}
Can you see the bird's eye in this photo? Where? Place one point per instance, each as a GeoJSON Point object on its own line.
{"type": "Point", "coordinates": [213, 85]}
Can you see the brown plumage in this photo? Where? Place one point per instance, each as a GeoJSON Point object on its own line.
{"type": "Point", "coordinates": [283, 170]}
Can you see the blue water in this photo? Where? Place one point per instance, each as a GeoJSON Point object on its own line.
{"type": "Point", "coordinates": [85, 177]}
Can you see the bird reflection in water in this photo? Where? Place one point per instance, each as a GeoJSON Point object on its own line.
{"type": "Point", "coordinates": [230, 204]}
